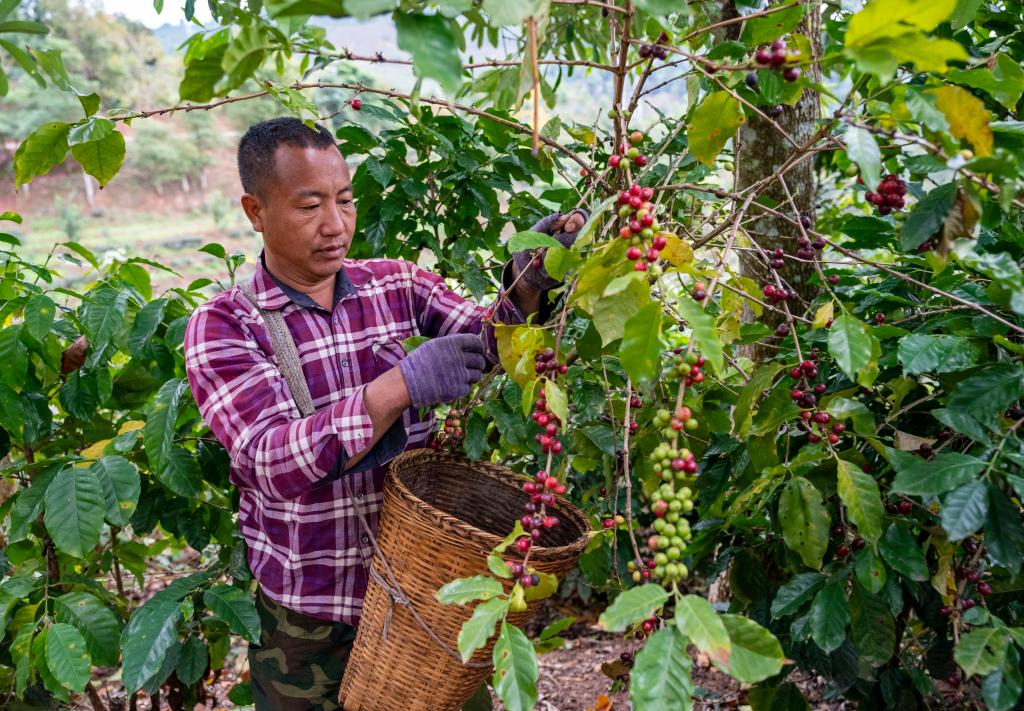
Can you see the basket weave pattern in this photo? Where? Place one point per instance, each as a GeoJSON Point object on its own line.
{"type": "Point", "coordinates": [441, 516]}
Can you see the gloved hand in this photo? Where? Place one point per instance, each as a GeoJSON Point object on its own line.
{"type": "Point", "coordinates": [563, 228]}
{"type": "Point", "coordinates": [443, 369]}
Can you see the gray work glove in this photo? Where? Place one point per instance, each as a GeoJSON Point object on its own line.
{"type": "Point", "coordinates": [553, 225]}
{"type": "Point", "coordinates": [443, 369]}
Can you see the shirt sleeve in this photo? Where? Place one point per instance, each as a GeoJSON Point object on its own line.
{"type": "Point", "coordinates": [440, 311]}
{"type": "Point", "coordinates": [245, 400]}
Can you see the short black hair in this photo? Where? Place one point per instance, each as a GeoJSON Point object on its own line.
{"type": "Point", "coordinates": [257, 147]}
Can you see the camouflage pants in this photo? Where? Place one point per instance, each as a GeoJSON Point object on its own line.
{"type": "Point", "coordinates": [299, 662]}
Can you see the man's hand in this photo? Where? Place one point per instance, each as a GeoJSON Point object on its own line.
{"type": "Point", "coordinates": [443, 369]}
{"type": "Point", "coordinates": [563, 228]}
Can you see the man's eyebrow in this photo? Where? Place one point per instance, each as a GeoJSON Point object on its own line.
{"type": "Point", "coordinates": [318, 194]}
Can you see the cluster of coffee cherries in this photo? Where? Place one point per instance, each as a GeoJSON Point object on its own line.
{"type": "Point", "coordinates": [669, 504]}
{"type": "Point", "coordinates": [688, 366]}
{"type": "Point", "coordinates": [640, 227]}
{"type": "Point", "coordinates": [681, 419]}
{"type": "Point", "coordinates": [889, 196]}
{"type": "Point", "coordinates": [545, 363]}
{"type": "Point", "coordinates": [805, 248]}
{"type": "Point", "coordinates": [451, 434]}
{"type": "Point", "coordinates": [805, 395]}
{"type": "Point", "coordinates": [973, 575]}
{"type": "Point", "coordinates": [543, 492]}
{"type": "Point", "coordinates": [775, 56]}
{"type": "Point", "coordinates": [843, 549]}
{"type": "Point", "coordinates": [629, 154]}
{"type": "Point", "coordinates": [647, 51]}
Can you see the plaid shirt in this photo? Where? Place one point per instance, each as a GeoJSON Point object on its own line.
{"type": "Point", "coordinates": [305, 541]}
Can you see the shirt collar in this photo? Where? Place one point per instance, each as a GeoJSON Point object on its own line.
{"type": "Point", "coordinates": [273, 294]}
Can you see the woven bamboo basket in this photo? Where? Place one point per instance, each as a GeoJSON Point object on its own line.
{"type": "Point", "coordinates": [441, 516]}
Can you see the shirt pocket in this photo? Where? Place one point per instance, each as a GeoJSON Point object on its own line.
{"type": "Point", "coordinates": [388, 351]}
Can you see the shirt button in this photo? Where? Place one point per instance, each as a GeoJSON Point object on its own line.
{"type": "Point", "coordinates": [365, 538]}
{"type": "Point", "coordinates": [344, 364]}
{"type": "Point", "coordinates": [359, 495]}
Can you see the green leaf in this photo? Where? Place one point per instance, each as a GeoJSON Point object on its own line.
{"type": "Point", "coordinates": [529, 241]}
{"type": "Point", "coordinates": [859, 493]}
{"type": "Point", "coordinates": [759, 382]}
{"type": "Point", "coordinates": [14, 356]}
{"type": "Point", "coordinates": [641, 347]}
{"type": "Point", "coordinates": [39, 315]}
{"type": "Point", "coordinates": [150, 633]}
{"type": "Point", "coordinates": [946, 471]}
{"type": "Point", "coordinates": [192, 663]}
{"type": "Point", "coordinates": [872, 626]}
{"type": "Point", "coordinates": [961, 422]}
{"type": "Point", "coordinates": [1004, 82]}
{"type": "Point", "coordinates": [881, 18]}
{"type": "Point", "coordinates": [101, 158]}
{"type": "Point", "coordinates": [236, 607]}
{"type": "Point", "coordinates": [478, 629]}
{"type": "Point", "coordinates": [982, 651]}
{"type": "Point", "coordinates": [558, 403]}
{"type": "Point", "coordinates": [792, 596]}
{"type": "Point", "coordinates": [928, 216]}
{"type": "Point", "coordinates": [760, 30]}
{"type": "Point", "coordinates": [244, 54]}
{"type": "Point", "coordinates": [558, 261]}
{"type": "Point", "coordinates": [463, 590]}
{"type": "Point", "coordinates": [870, 571]}
{"type": "Point", "coordinates": [547, 587]}
{"type": "Point", "coordinates": [786, 697]}
{"type": "Point", "coordinates": [67, 657]}
{"type": "Point", "coordinates": [829, 616]}
{"type": "Point", "coordinates": [900, 550]}
{"type": "Point", "coordinates": [202, 73]}
{"type": "Point", "coordinates": [697, 620]}
{"type": "Point", "coordinates": [515, 669]}
{"type": "Point", "coordinates": [180, 472]}
{"type": "Point", "coordinates": [988, 392]}
{"type": "Point", "coordinates": [121, 487]}
{"type": "Point", "coordinates": [92, 129]}
{"type": "Point", "coordinates": [95, 621]}
{"type": "Point", "coordinates": [43, 149]}
{"type": "Point", "coordinates": [158, 435]}
{"type": "Point", "coordinates": [504, 14]}
{"type": "Point", "coordinates": [1002, 688]}
{"type": "Point", "coordinates": [922, 353]}
{"type": "Point", "coordinates": [632, 606]}
{"type": "Point", "coordinates": [805, 521]}
{"type": "Point", "coordinates": [842, 408]}
{"type": "Point", "coordinates": [862, 149]}
{"type": "Point", "coordinates": [1004, 534]}
{"type": "Point", "coordinates": [429, 39]}
{"type": "Point", "coordinates": [660, 677]}
{"type": "Point", "coordinates": [756, 653]}
{"type": "Point", "coordinates": [24, 26]}
{"type": "Point", "coordinates": [712, 125]}
{"type": "Point", "coordinates": [103, 316]}
{"type": "Point", "coordinates": [40, 663]}
{"type": "Point", "coordinates": [622, 298]}
{"type": "Point", "coordinates": [21, 653]}
{"type": "Point", "coordinates": [704, 333]}
{"type": "Point", "coordinates": [964, 510]}
{"type": "Point", "coordinates": [74, 511]}
{"type": "Point", "coordinates": [850, 343]}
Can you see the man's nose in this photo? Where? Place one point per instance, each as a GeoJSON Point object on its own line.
{"type": "Point", "coordinates": [333, 222]}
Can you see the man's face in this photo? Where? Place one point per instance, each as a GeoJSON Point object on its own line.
{"type": "Point", "coordinates": [305, 212]}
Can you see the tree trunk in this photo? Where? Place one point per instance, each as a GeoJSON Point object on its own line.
{"type": "Point", "coordinates": [760, 151]}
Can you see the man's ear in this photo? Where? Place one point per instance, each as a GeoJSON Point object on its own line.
{"type": "Point", "coordinates": [253, 210]}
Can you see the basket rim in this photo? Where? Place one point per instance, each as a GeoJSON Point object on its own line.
{"type": "Point", "coordinates": [499, 473]}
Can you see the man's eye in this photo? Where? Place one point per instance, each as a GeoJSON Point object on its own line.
{"type": "Point", "coordinates": [309, 207]}
{"type": "Point", "coordinates": [346, 203]}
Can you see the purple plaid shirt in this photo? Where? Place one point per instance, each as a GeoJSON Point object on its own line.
{"type": "Point", "coordinates": [303, 534]}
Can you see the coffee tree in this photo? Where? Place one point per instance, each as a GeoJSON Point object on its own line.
{"type": "Point", "coordinates": [786, 358]}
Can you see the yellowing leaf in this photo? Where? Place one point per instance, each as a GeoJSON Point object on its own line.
{"type": "Point", "coordinates": [713, 124]}
{"type": "Point", "coordinates": [131, 426]}
{"type": "Point", "coordinates": [95, 451]}
{"type": "Point", "coordinates": [823, 315]}
{"type": "Point", "coordinates": [677, 251]}
{"type": "Point", "coordinates": [516, 346]}
{"type": "Point", "coordinates": [967, 117]}
{"type": "Point", "coordinates": [884, 18]}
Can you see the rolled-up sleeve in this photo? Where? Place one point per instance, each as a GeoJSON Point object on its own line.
{"type": "Point", "coordinates": [245, 400]}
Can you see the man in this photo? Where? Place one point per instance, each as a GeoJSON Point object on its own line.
{"type": "Point", "coordinates": [348, 319]}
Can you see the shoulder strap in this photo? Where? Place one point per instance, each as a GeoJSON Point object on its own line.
{"type": "Point", "coordinates": [287, 353]}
